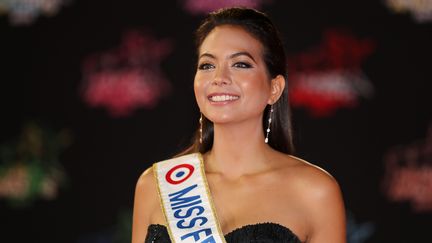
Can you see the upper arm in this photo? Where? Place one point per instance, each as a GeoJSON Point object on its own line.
{"type": "Point", "coordinates": [144, 203]}
{"type": "Point", "coordinates": [325, 210]}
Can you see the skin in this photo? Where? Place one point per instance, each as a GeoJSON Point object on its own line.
{"type": "Point", "coordinates": [250, 182]}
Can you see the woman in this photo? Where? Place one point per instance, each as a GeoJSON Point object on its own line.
{"type": "Point", "coordinates": [260, 192]}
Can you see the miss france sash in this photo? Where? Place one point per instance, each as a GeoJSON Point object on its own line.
{"type": "Point", "coordinates": [185, 200]}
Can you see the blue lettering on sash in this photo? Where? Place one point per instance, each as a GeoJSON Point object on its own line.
{"type": "Point", "coordinates": [192, 222]}
{"type": "Point", "coordinates": [187, 209]}
{"type": "Point", "coordinates": [189, 212]}
{"type": "Point", "coordinates": [187, 205]}
{"type": "Point", "coordinates": [176, 197]}
{"type": "Point", "coordinates": [195, 234]}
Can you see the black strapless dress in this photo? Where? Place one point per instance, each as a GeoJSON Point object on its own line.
{"type": "Point", "coordinates": [256, 233]}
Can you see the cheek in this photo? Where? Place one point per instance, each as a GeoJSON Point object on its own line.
{"type": "Point", "coordinates": [199, 90]}
{"type": "Point", "coordinates": [259, 89]}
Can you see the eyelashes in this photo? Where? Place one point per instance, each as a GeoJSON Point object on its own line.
{"type": "Point", "coordinates": [207, 66]}
{"type": "Point", "coordinates": [242, 65]}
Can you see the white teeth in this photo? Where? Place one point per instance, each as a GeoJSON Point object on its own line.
{"type": "Point", "coordinates": [221, 98]}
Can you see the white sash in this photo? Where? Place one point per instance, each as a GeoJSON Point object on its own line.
{"type": "Point", "coordinates": [185, 200]}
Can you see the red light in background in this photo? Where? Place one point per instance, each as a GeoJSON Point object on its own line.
{"type": "Point", "coordinates": [409, 174]}
{"type": "Point", "coordinates": [127, 78]}
{"type": "Point", "coordinates": [329, 76]}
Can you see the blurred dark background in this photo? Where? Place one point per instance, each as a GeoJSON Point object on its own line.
{"type": "Point", "coordinates": [75, 134]}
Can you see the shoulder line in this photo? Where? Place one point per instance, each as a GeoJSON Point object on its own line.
{"type": "Point", "coordinates": [310, 169]}
{"type": "Point", "coordinates": [313, 181]}
{"type": "Point", "coordinates": [146, 181]}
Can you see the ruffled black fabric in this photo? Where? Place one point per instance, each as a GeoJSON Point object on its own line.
{"type": "Point", "coordinates": [256, 233]}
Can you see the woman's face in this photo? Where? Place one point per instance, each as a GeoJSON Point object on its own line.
{"type": "Point", "coordinates": [231, 81]}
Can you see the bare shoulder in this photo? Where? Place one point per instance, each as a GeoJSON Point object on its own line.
{"type": "Point", "coordinates": [146, 180]}
{"type": "Point", "coordinates": [146, 204]}
{"type": "Point", "coordinates": [316, 190]}
{"type": "Point", "coordinates": [312, 181]}
{"type": "Point", "coordinates": [320, 198]}
{"type": "Point", "coordinates": [146, 190]}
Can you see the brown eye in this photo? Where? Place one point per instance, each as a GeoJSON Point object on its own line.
{"type": "Point", "coordinates": [242, 65]}
{"type": "Point", "coordinates": [205, 66]}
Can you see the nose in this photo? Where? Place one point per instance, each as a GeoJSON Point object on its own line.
{"type": "Point", "coordinates": [221, 77]}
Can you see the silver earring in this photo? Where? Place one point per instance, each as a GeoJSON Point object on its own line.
{"type": "Point", "coordinates": [269, 122]}
{"type": "Point", "coordinates": [200, 129]}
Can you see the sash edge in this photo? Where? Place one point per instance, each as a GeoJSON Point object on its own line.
{"type": "Point", "coordinates": [161, 202]}
{"type": "Point", "coordinates": [201, 159]}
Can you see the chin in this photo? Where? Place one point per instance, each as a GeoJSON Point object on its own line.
{"type": "Point", "coordinates": [220, 120]}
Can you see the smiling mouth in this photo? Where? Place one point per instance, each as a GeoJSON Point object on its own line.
{"type": "Point", "coordinates": [222, 98]}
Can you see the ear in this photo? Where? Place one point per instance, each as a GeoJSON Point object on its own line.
{"type": "Point", "coordinates": [277, 88]}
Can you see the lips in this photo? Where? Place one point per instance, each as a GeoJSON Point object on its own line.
{"type": "Point", "coordinates": [223, 97]}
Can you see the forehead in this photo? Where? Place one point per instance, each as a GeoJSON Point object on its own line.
{"type": "Point", "coordinates": [228, 39]}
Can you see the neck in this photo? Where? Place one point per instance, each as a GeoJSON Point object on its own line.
{"type": "Point", "coordinates": [238, 149]}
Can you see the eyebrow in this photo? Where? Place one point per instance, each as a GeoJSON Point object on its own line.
{"type": "Point", "coordinates": [242, 53]}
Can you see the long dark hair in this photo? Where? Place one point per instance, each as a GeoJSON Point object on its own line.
{"type": "Point", "coordinates": [260, 26]}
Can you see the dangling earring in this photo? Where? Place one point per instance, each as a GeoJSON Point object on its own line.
{"type": "Point", "coordinates": [200, 129]}
{"type": "Point", "coordinates": [269, 122]}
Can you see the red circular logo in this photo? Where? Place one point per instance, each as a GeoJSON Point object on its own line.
{"type": "Point", "coordinates": [179, 173]}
